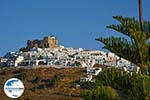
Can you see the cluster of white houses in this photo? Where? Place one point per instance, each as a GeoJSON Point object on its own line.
{"type": "Point", "coordinates": [63, 57]}
{"type": "Point", "coordinates": [47, 52]}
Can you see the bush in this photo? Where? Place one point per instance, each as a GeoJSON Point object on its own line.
{"type": "Point", "coordinates": [88, 85]}
{"type": "Point", "coordinates": [20, 70]}
{"type": "Point", "coordinates": [36, 79]}
{"type": "Point", "coordinates": [101, 93]}
{"type": "Point", "coordinates": [116, 78]}
{"type": "Point", "coordinates": [135, 87]}
{"type": "Point", "coordinates": [21, 76]}
{"type": "Point", "coordinates": [42, 63]}
{"type": "Point", "coordinates": [140, 88]}
{"type": "Point", "coordinates": [23, 49]}
{"type": "Point", "coordinates": [55, 80]}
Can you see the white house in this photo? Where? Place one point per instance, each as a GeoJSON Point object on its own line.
{"type": "Point", "coordinates": [86, 79]}
{"type": "Point", "coordinates": [18, 60]}
{"type": "Point", "coordinates": [93, 71]}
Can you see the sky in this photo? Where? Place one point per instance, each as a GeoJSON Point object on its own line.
{"type": "Point", "coordinates": [76, 23]}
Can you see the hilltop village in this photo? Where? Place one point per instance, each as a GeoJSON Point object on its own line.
{"type": "Point", "coordinates": [47, 52]}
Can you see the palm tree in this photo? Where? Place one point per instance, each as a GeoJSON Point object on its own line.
{"type": "Point", "coordinates": [140, 13]}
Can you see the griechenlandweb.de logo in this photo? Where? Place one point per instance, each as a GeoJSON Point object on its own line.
{"type": "Point", "coordinates": [13, 88]}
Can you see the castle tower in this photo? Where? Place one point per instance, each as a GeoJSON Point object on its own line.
{"type": "Point", "coordinates": [50, 42]}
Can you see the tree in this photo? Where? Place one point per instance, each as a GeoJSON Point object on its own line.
{"type": "Point", "coordinates": [135, 48]}
{"type": "Point", "coordinates": [42, 63]}
{"type": "Point", "coordinates": [140, 88]}
{"type": "Point", "coordinates": [23, 49]}
{"type": "Point", "coordinates": [140, 13]}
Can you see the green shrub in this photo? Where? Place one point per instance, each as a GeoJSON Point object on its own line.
{"type": "Point", "coordinates": [36, 79]}
{"type": "Point", "coordinates": [141, 88]}
{"type": "Point", "coordinates": [101, 93]}
{"type": "Point", "coordinates": [21, 76]}
{"type": "Point", "coordinates": [88, 85]}
{"type": "Point", "coordinates": [55, 80]}
{"type": "Point", "coordinates": [132, 87]}
{"type": "Point", "coordinates": [115, 78]}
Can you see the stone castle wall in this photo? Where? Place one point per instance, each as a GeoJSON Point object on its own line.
{"type": "Point", "coordinates": [47, 42]}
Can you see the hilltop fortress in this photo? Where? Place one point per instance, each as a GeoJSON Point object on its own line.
{"type": "Point", "coordinates": [46, 42]}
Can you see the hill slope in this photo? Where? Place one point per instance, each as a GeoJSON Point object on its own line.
{"type": "Point", "coordinates": [45, 83]}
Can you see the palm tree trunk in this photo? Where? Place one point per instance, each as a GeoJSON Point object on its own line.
{"type": "Point", "coordinates": [140, 14]}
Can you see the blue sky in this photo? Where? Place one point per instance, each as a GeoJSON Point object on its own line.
{"type": "Point", "coordinates": [76, 23]}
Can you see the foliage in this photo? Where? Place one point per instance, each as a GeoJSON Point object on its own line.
{"type": "Point", "coordinates": [132, 87]}
{"type": "Point", "coordinates": [36, 79]}
{"type": "Point", "coordinates": [23, 49]}
{"type": "Point", "coordinates": [136, 47]}
{"type": "Point", "coordinates": [40, 57]}
{"type": "Point", "coordinates": [116, 78]}
{"type": "Point", "coordinates": [55, 80]}
{"type": "Point", "coordinates": [140, 88]}
{"type": "Point", "coordinates": [42, 63]}
{"type": "Point", "coordinates": [77, 63]}
{"type": "Point", "coordinates": [88, 85]}
{"type": "Point", "coordinates": [101, 93]}
{"type": "Point", "coordinates": [21, 76]}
